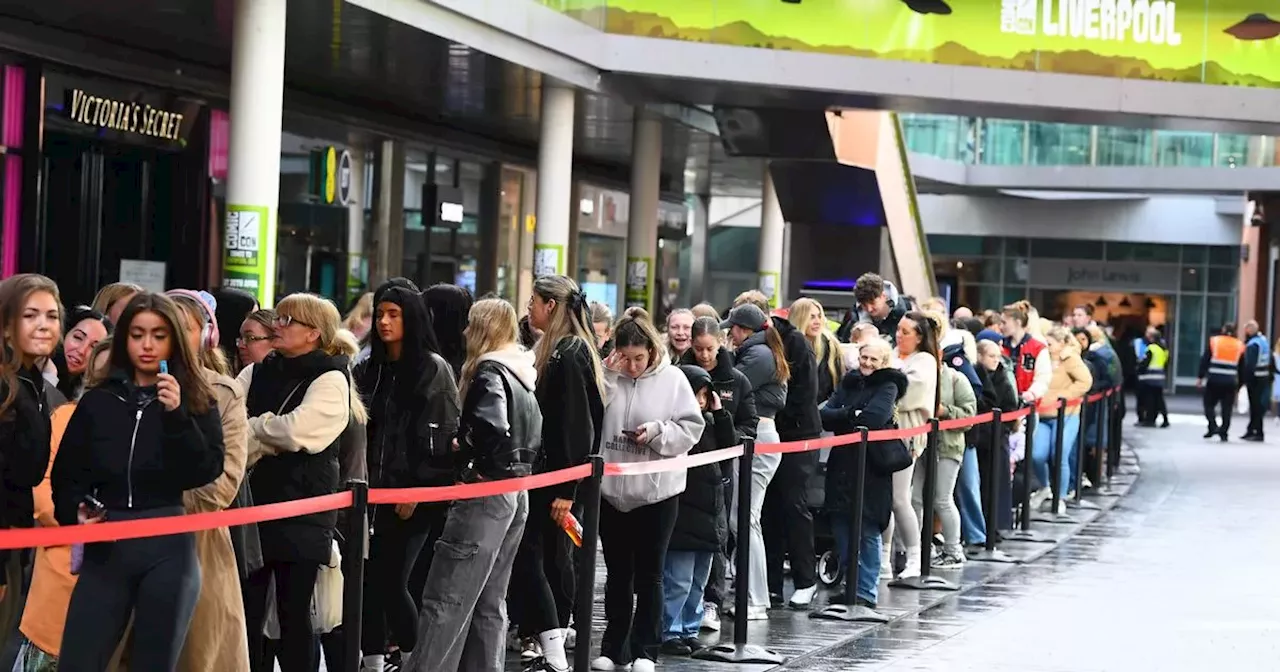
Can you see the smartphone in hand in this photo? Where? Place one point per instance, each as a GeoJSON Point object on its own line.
{"type": "Point", "coordinates": [164, 366]}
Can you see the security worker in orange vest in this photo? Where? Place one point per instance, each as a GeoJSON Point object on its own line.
{"type": "Point", "coordinates": [1219, 379]}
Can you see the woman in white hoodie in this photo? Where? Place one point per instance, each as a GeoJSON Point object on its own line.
{"type": "Point", "coordinates": [464, 620]}
{"type": "Point", "coordinates": [918, 349]}
{"type": "Point", "coordinates": [651, 414]}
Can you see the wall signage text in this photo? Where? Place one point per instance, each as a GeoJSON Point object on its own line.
{"type": "Point", "coordinates": [1133, 21]}
{"type": "Point", "coordinates": [123, 116]}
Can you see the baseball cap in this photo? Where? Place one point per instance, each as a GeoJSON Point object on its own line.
{"type": "Point", "coordinates": [746, 316]}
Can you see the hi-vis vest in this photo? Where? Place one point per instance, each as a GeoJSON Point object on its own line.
{"type": "Point", "coordinates": [1224, 356]}
{"type": "Point", "coordinates": [1154, 372]}
{"type": "Point", "coordinates": [1262, 367]}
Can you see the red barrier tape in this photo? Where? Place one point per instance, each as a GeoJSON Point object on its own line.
{"type": "Point", "coordinates": [157, 527]}
{"type": "Point", "coordinates": [449, 493]}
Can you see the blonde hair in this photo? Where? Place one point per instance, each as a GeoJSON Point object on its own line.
{"type": "Point", "coordinates": [933, 304]}
{"type": "Point", "coordinates": [1070, 346]}
{"type": "Point", "coordinates": [320, 314]}
{"type": "Point", "coordinates": [94, 376]}
{"type": "Point", "coordinates": [363, 310]}
{"type": "Point", "coordinates": [359, 414]}
{"type": "Point", "coordinates": [986, 347]}
{"type": "Point", "coordinates": [110, 294]}
{"type": "Point", "coordinates": [600, 314]}
{"type": "Point", "coordinates": [1096, 334]}
{"type": "Point", "coordinates": [491, 326]}
{"type": "Point", "coordinates": [864, 328]}
{"type": "Point", "coordinates": [879, 347]}
{"type": "Point", "coordinates": [570, 317]}
{"type": "Point", "coordinates": [705, 310]}
{"type": "Point", "coordinates": [755, 297]}
{"type": "Point", "coordinates": [824, 343]}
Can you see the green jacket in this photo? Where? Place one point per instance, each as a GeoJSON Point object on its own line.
{"type": "Point", "coordinates": [959, 402]}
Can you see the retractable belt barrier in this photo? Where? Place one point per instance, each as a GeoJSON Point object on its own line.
{"type": "Point", "coordinates": [194, 522]}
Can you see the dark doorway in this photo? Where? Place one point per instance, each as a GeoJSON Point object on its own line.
{"type": "Point", "coordinates": [106, 201]}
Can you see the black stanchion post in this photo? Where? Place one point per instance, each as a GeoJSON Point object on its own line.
{"type": "Point", "coordinates": [1024, 531]}
{"type": "Point", "coordinates": [356, 546]}
{"type": "Point", "coordinates": [998, 468]}
{"type": "Point", "coordinates": [1113, 441]}
{"type": "Point", "coordinates": [1100, 442]}
{"type": "Point", "coordinates": [1081, 448]}
{"type": "Point", "coordinates": [589, 497]}
{"type": "Point", "coordinates": [740, 651]}
{"type": "Point", "coordinates": [1057, 456]}
{"type": "Point", "coordinates": [851, 610]}
{"type": "Point", "coordinates": [930, 464]}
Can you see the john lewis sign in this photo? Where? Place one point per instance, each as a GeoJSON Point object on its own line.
{"type": "Point", "coordinates": [1101, 275]}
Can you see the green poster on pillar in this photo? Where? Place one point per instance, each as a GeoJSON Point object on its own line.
{"type": "Point", "coordinates": [548, 259]}
{"type": "Point", "coordinates": [244, 256]}
{"type": "Point", "coordinates": [640, 282]}
{"type": "Point", "coordinates": [769, 286]}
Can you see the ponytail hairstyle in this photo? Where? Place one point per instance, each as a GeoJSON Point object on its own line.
{"type": "Point", "coordinates": [707, 326]}
{"type": "Point", "coordinates": [570, 318]}
{"type": "Point", "coordinates": [773, 339]}
{"type": "Point", "coordinates": [927, 330]}
{"type": "Point", "coordinates": [635, 328]}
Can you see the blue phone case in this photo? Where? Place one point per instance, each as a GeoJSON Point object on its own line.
{"type": "Point", "coordinates": [164, 366]}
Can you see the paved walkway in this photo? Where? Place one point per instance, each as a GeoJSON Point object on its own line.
{"type": "Point", "coordinates": [1119, 596]}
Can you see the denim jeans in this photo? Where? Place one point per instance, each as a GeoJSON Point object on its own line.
{"type": "Point", "coordinates": [684, 578]}
{"type": "Point", "coordinates": [763, 467]}
{"type": "Point", "coordinates": [973, 526]}
{"type": "Point", "coordinates": [1042, 446]}
{"type": "Point", "coordinates": [868, 555]}
{"type": "Point", "coordinates": [464, 612]}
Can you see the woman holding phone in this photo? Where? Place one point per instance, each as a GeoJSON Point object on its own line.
{"type": "Point", "coordinates": [137, 441]}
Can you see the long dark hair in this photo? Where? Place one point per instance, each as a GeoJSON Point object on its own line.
{"type": "Point", "coordinates": [928, 332]}
{"type": "Point", "coordinates": [14, 292]}
{"type": "Point", "coordinates": [570, 318]}
{"type": "Point", "coordinates": [450, 306]}
{"type": "Point", "coordinates": [234, 307]}
{"type": "Point", "coordinates": [184, 364]}
{"type": "Point", "coordinates": [419, 342]}
{"type": "Point", "coordinates": [69, 382]}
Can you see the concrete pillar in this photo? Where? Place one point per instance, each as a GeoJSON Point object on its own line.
{"type": "Point", "coordinates": [772, 236]}
{"type": "Point", "coordinates": [253, 152]}
{"type": "Point", "coordinates": [357, 270]}
{"type": "Point", "coordinates": [698, 239]}
{"type": "Point", "coordinates": [642, 216]}
{"type": "Point", "coordinates": [555, 180]}
{"type": "Point", "coordinates": [388, 219]}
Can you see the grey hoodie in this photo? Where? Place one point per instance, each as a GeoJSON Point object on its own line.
{"type": "Point", "coordinates": [660, 402]}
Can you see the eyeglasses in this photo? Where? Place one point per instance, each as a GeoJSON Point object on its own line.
{"type": "Point", "coordinates": [245, 341]}
{"type": "Point", "coordinates": [283, 321]}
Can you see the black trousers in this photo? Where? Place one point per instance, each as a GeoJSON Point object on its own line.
{"type": "Point", "coordinates": [717, 590]}
{"type": "Point", "coordinates": [394, 548]}
{"type": "Point", "coordinates": [635, 551]}
{"type": "Point", "coordinates": [1258, 404]}
{"type": "Point", "coordinates": [156, 580]}
{"type": "Point", "coordinates": [295, 583]}
{"type": "Point", "coordinates": [542, 579]}
{"type": "Point", "coordinates": [1150, 400]}
{"type": "Point", "coordinates": [787, 521]}
{"type": "Point", "coordinates": [1219, 399]}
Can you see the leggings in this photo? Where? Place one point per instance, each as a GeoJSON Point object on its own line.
{"type": "Point", "coordinates": [156, 579]}
{"type": "Point", "coordinates": [388, 605]}
{"type": "Point", "coordinates": [944, 503]}
{"type": "Point", "coordinates": [295, 584]}
{"type": "Point", "coordinates": [904, 519]}
{"type": "Point", "coordinates": [542, 579]}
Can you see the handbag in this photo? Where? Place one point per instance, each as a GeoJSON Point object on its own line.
{"type": "Point", "coordinates": [889, 457]}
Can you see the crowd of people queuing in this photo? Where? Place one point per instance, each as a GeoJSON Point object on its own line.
{"type": "Point", "coordinates": [147, 405]}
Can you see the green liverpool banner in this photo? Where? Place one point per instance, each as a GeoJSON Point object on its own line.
{"type": "Point", "coordinates": [1225, 42]}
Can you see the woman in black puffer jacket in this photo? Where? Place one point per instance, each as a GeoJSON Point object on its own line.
{"type": "Point", "coordinates": [699, 534]}
{"type": "Point", "coordinates": [866, 397]}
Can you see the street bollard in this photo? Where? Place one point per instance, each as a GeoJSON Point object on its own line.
{"type": "Point", "coordinates": [353, 553]}
{"type": "Point", "coordinates": [998, 469]}
{"type": "Point", "coordinates": [589, 496]}
{"type": "Point", "coordinates": [740, 651]}
{"type": "Point", "coordinates": [852, 611]}
{"type": "Point", "coordinates": [925, 581]}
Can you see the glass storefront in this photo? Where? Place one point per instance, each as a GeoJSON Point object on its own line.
{"type": "Point", "coordinates": [1189, 289]}
{"type": "Point", "coordinates": [1005, 142]}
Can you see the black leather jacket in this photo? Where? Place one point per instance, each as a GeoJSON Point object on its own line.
{"type": "Point", "coordinates": [410, 436]}
{"type": "Point", "coordinates": [500, 431]}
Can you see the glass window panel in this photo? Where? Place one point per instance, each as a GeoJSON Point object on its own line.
{"type": "Point", "coordinates": [1190, 340]}
{"type": "Point", "coordinates": [1194, 255]}
{"type": "Point", "coordinates": [955, 245]}
{"type": "Point", "coordinates": [1060, 144]}
{"type": "Point", "coordinates": [1143, 252]}
{"type": "Point", "coordinates": [1233, 150]}
{"type": "Point", "coordinates": [1011, 295]}
{"type": "Point", "coordinates": [1017, 246]}
{"type": "Point", "coordinates": [1224, 255]}
{"type": "Point", "coordinates": [933, 134]}
{"type": "Point", "coordinates": [1016, 271]}
{"type": "Point", "coordinates": [1003, 142]}
{"type": "Point", "coordinates": [1192, 280]}
{"type": "Point", "coordinates": [1125, 146]}
{"type": "Point", "coordinates": [1054, 248]}
{"type": "Point", "coordinates": [1219, 310]}
{"type": "Point", "coordinates": [1184, 148]}
{"type": "Point", "coordinates": [1222, 280]}
{"type": "Point", "coordinates": [988, 298]}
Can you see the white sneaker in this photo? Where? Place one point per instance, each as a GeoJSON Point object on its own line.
{"type": "Point", "coordinates": [912, 569]}
{"type": "Point", "coordinates": [886, 563]}
{"type": "Point", "coordinates": [1085, 483]}
{"type": "Point", "coordinates": [753, 613]}
{"type": "Point", "coordinates": [710, 618]}
{"type": "Point", "coordinates": [643, 665]}
{"type": "Point", "coordinates": [804, 596]}
{"type": "Point", "coordinates": [606, 664]}
{"type": "Point", "coordinates": [570, 638]}
{"type": "Point", "coordinates": [1039, 497]}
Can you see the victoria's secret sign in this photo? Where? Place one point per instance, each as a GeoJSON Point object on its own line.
{"type": "Point", "coordinates": [123, 116]}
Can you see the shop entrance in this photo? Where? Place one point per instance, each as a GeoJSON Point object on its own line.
{"type": "Point", "coordinates": [104, 202]}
